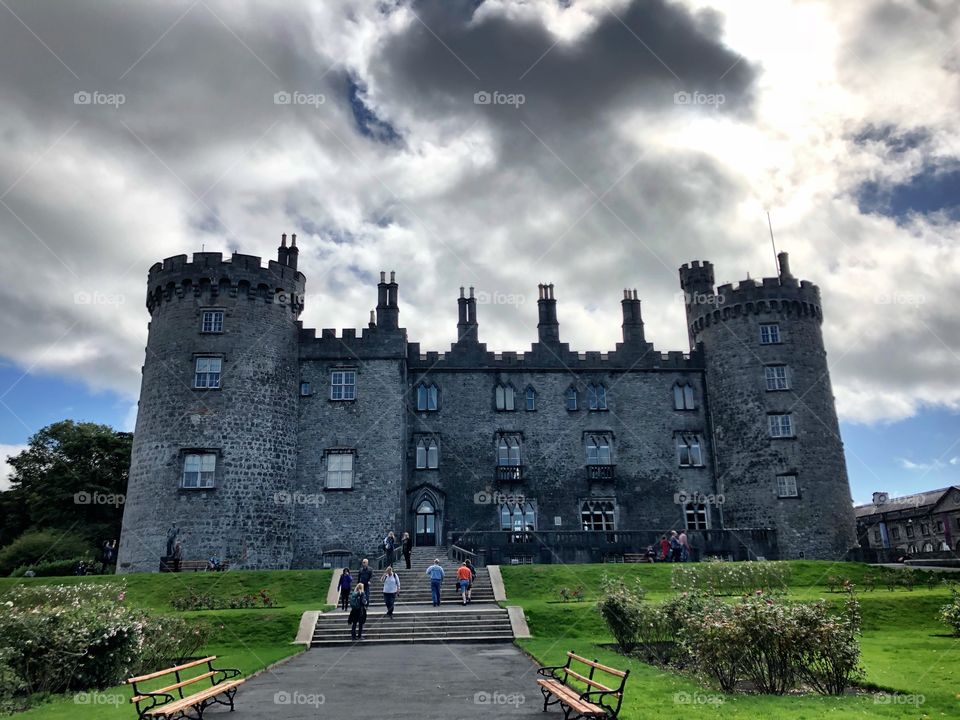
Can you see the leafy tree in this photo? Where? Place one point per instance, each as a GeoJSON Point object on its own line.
{"type": "Point", "coordinates": [72, 477]}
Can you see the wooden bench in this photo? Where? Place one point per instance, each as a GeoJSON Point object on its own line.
{"type": "Point", "coordinates": [596, 700]}
{"type": "Point", "coordinates": [163, 703]}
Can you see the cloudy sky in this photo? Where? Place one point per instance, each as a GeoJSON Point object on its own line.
{"type": "Point", "coordinates": [594, 144]}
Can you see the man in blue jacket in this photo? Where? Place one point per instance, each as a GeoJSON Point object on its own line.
{"type": "Point", "coordinates": [436, 577]}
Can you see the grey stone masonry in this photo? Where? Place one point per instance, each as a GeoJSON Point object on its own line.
{"type": "Point", "coordinates": [270, 445]}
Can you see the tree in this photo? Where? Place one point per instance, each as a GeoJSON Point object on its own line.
{"type": "Point", "coordinates": [72, 476]}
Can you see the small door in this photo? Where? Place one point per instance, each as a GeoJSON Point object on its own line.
{"type": "Point", "coordinates": [426, 524]}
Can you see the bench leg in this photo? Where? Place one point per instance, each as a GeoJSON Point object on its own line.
{"type": "Point", "coordinates": [546, 698]}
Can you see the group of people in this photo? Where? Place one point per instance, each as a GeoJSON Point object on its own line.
{"type": "Point", "coordinates": [675, 548]}
{"type": "Point", "coordinates": [390, 547]}
{"type": "Point", "coordinates": [356, 597]}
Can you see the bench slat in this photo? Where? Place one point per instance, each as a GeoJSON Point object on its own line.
{"type": "Point", "coordinates": [598, 666]}
{"type": "Point", "coordinates": [588, 681]}
{"type": "Point", "coordinates": [168, 671]}
{"type": "Point", "coordinates": [175, 686]}
{"type": "Point", "coordinates": [570, 696]}
{"type": "Point", "coordinates": [188, 702]}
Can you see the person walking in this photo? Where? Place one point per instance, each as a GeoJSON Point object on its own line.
{"type": "Point", "coordinates": [346, 581]}
{"type": "Point", "coordinates": [463, 580]}
{"type": "Point", "coordinates": [664, 548]}
{"type": "Point", "coordinates": [675, 548]}
{"type": "Point", "coordinates": [684, 546]}
{"type": "Point", "coordinates": [391, 588]}
{"type": "Point", "coordinates": [406, 547]}
{"type": "Point", "coordinates": [177, 556]}
{"type": "Point", "coordinates": [389, 546]}
{"type": "Point", "coordinates": [358, 612]}
{"type": "Point", "coordinates": [473, 578]}
{"type": "Point", "coordinates": [364, 577]}
{"type": "Point", "coordinates": [435, 572]}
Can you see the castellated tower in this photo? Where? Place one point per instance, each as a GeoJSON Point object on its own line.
{"type": "Point", "coordinates": [214, 449]}
{"type": "Point", "coordinates": [779, 457]}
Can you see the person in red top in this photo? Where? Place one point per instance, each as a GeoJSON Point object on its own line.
{"type": "Point", "coordinates": [464, 576]}
{"type": "Point", "coordinates": [664, 548]}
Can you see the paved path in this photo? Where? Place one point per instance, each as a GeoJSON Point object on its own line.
{"type": "Point", "coordinates": [427, 682]}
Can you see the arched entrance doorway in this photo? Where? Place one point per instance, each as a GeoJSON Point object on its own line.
{"type": "Point", "coordinates": [425, 525]}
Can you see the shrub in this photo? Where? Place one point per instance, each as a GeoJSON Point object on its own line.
{"type": "Point", "coordinates": [76, 637]}
{"type": "Point", "coordinates": [620, 608]}
{"type": "Point", "coordinates": [950, 613]}
{"type": "Point", "coordinates": [720, 577]}
{"type": "Point", "coordinates": [775, 646]}
{"type": "Point", "coordinates": [194, 600]}
{"type": "Point", "coordinates": [38, 546]}
{"type": "Point", "coordinates": [57, 568]}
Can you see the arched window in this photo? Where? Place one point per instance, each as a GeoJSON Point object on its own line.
{"type": "Point", "coordinates": [428, 455]}
{"type": "Point", "coordinates": [598, 450]}
{"type": "Point", "coordinates": [505, 397]}
{"type": "Point", "coordinates": [508, 451]}
{"type": "Point", "coordinates": [571, 398]}
{"type": "Point", "coordinates": [518, 516]}
{"type": "Point", "coordinates": [427, 397]}
{"type": "Point", "coordinates": [928, 547]}
{"type": "Point", "coordinates": [689, 450]}
{"type": "Point", "coordinates": [683, 397]}
{"type": "Point", "coordinates": [530, 399]}
{"type": "Point", "coordinates": [597, 397]}
{"type": "Point", "coordinates": [597, 515]}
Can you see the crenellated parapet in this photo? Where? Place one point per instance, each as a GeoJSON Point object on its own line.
{"type": "Point", "coordinates": [209, 276]}
{"type": "Point", "coordinates": [784, 294]}
{"type": "Point", "coordinates": [372, 343]}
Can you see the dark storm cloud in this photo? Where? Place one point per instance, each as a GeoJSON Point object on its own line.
{"type": "Point", "coordinates": [638, 57]}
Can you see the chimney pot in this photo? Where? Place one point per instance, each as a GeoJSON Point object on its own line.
{"type": "Point", "coordinates": [293, 239]}
{"type": "Point", "coordinates": [383, 276]}
{"type": "Point", "coordinates": [392, 276]}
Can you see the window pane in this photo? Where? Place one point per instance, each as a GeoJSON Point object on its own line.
{"type": "Point", "coordinates": [501, 402]}
{"type": "Point", "coordinates": [688, 397]}
{"type": "Point", "coordinates": [432, 394]}
{"type": "Point", "coordinates": [603, 454]}
{"type": "Point", "coordinates": [432, 456]}
{"type": "Point", "coordinates": [601, 397]}
{"type": "Point", "coordinates": [677, 397]}
{"type": "Point", "coordinates": [571, 399]}
{"type": "Point", "coordinates": [421, 397]}
{"type": "Point", "coordinates": [531, 399]}
{"type": "Point", "coordinates": [592, 455]}
{"type": "Point", "coordinates": [508, 395]}
{"type": "Point", "coordinates": [421, 456]}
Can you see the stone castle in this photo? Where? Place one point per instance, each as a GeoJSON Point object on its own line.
{"type": "Point", "coordinates": [268, 446]}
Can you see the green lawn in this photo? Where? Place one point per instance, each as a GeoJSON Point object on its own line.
{"type": "Point", "coordinates": [905, 648]}
{"type": "Point", "coordinates": [246, 639]}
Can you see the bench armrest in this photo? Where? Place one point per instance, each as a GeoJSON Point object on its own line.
{"type": "Point", "coordinates": [551, 668]}
{"type": "Point", "coordinates": [224, 674]}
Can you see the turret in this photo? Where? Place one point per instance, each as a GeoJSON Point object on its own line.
{"type": "Point", "coordinates": [213, 444]}
{"type": "Point", "coordinates": [548, 328]}
{"type": "Point", "coordinates": [779, 456]}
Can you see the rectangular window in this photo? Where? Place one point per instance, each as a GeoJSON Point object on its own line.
{"type": "Point", "coordinates": [508, 451]}
{"type": "Point", "coordinates": [787, 486]}
{"type": "Point", "coordinates": [306, 389]}
{"type": "Point", "coordinates": [571, 399]}
{"type": "Point", "coordinates": [696, 516]}
{"type": "Point", "coordinates": [531, 399]}
{"type": "Point", "coordinates": [505, 397]}
{"type": "Point", "coordinates": [924, 529]}
{"type": "Point", "coordinates": [598, 515]}
{"type": "Point", "coordinates": [207, 373]}
{"type": "Point", "coordinates": [689, 450]}
{"type": "Point", "coordinates": [597, 397]}
{"type": "Point", "coordinates": [212, 321]}
{"type": "Point", "coordinates": [910, 532]}
{"type": "Point", "coordinates": [895, 533]}
{"type": "Point", "coordinates": [339, 470]}
{"type": "Point", "coordinates": [598, 450]}
{"type": "Point", "coordinates": [776, 377]}
{"type": "Point", "coordinates": [769, 334]}
{"type": "Point", "coordinates": [876, 535]}
{"type": "Point", "coordinates": [198, 470]}
{"type": "Point", "coordinates": [939, 526]}
{"type": "Point", "coordinates": [781, 426]}
{"type": "Point", "coordinates": [343, 385]}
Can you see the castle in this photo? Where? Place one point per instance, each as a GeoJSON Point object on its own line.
{"type": "Point", "coordinates": [268, 446]}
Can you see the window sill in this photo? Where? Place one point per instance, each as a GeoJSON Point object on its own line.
{"type": "Point", "coordinates": [343, 400]}
{"type": "Point", "coordinates": [426, 469]}
{"type": "Point", "coordinates": [195, 489]}
{"type": "Point", "coordinates": [329, 489]}
{"type": "Point", "coordinates": [783, 437]}
{"type": "Point", "coordinates": [775, 390]}
{"type": "Point", "coordinates": [207, 389]}
{"type": "Point", "coordinates": [789, 497]}
{"type": "Point", "coordinates": [692, 467]}
{"type": "Point", "coordinates": [211, 332]}
{"type": "Point", "coordinates": [599, 410]}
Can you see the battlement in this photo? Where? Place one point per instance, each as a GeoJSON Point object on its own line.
{"type": "Point", "coordinates": [558, 358]}
{"type": "Point", "coordinates": [785, 293]}
{"type": "Point", "coordinates": [210, 275]}
{"type": "Point", "coordinates": [372, 343]}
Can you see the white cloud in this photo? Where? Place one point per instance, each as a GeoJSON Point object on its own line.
{"type": "Point", "coordinates": [6, 471]}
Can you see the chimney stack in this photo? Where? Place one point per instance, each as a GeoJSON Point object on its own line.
{"type": "Point", "coordinates": [282, 252]}
{"type": "Point", "coordinates": [388, 311]}
{"type": "Point", "coordinates": [548, 328]}
{"type": "Point", "coordinates": [783, 261]}
{"type": "Point", "coordinates": [632, 319]}
{"type": "Point", "coordinates": [294, 252]}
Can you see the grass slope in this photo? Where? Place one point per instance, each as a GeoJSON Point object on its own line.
{"type": "Point", "coordinates": [905, 648]}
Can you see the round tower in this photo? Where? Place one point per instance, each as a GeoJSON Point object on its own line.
{"type": "Point", "coordinates": [214, 448]}
{"type": "Point", "coordinates": [779, 456]}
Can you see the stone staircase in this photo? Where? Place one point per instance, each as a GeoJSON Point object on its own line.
{"type": "Point", "coordinates": [415, 619]}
